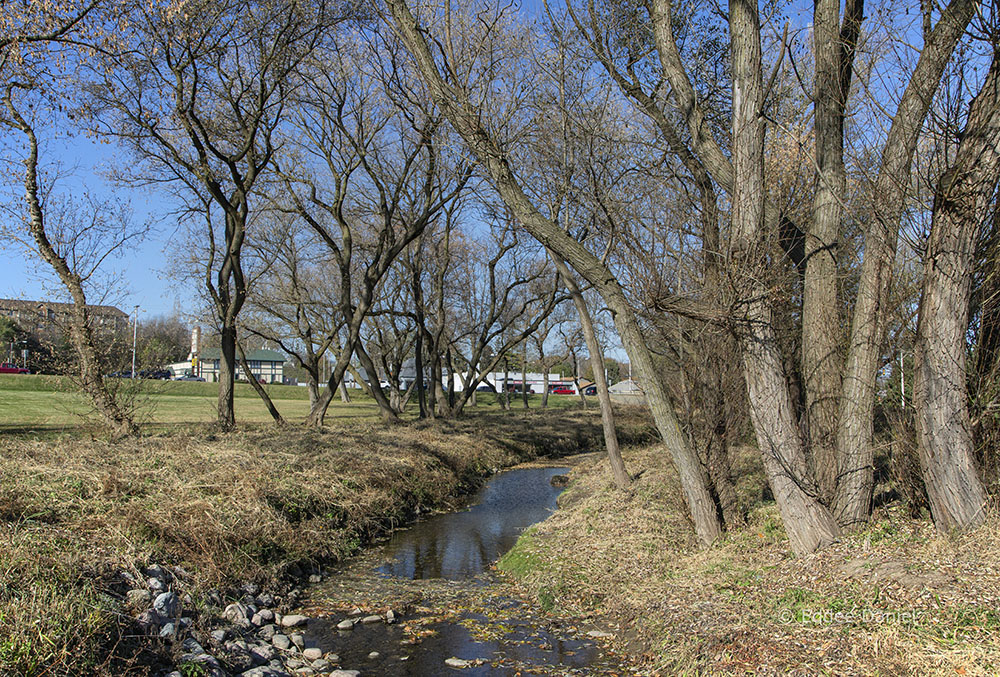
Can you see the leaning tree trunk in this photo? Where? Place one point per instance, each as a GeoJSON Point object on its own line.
{"type": "Point", "coordinates": [618, 470]}
{"type": "Point", "coordinates": [258, 388]}
{"type": "Point", "coordinates": [940, 391]}
{"type": "Point", "coordinates": [855, 451]}
{"type": "Point", "coordinates": [807, 521]}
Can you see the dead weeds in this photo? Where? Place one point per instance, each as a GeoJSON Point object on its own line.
{"type": "Point", "coordinates": [897, 598]}
{"type": "Point", "coordinates": [251, 505]}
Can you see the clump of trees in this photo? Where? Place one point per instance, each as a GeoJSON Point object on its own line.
{"type": "Point", "coordinates": [769, 213]}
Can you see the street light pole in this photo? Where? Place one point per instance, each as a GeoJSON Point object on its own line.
{"type": "Point", "coordinates": [135, 335]}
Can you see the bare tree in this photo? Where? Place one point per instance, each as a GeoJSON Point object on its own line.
{"type": "Point", "coordinates": [944, 431]}
{"type": "Point", "coordinates": [34, 39]}
{"type": "Point", "coordinates": [198, 93]}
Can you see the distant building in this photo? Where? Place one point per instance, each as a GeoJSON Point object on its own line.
{"type": "Point", "coordinates": [49, 319]}
{"type": "Point", "coordinates": [265, 365]}
{"type": "Point", "coordinates": [627, 392]}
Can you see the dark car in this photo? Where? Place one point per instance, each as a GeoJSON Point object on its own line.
{"type": "Point", "coordinates": [158, 374]}
{"type": "Point", "coordinates": [590, 390]}
{"type": "Point", "coordinates": [9, 368]}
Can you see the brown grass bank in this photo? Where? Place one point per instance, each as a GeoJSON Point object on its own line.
{"type": "Point", "coordinates": [259, 505]}
{"type": "Point", "coordinates": [895, 599]}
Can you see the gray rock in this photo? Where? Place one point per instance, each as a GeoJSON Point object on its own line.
{"type": "Point", "coordinates": [156, 585]}
{"type": "Point", "coordinates": [168, 631]}
{"type": "Point", "coordinates": [312, 653]}
{"type": "Point", "coordinates": [265, 599]}
{"type": "Point", "coordinates": [175, 673]}
{"type": "Point", "coordinates": [293, 663]}
{"type": "Point", "coordinates": [257, 620]}
{"type": "Point", "coordinates": [321, 664]}
{"type": "Point", "coordinates": [373, 655]}
{"type": "Point", "coordinates": [345, 625]}
{"type": "Point", "coordinates": [599, 634]}
{"type": "Point", "coordinates": [191, 645]}
{"type": "Point", "coordinates": [158, 572]}
{"type": "Point", "coordinates": [186, 622]}
{"type": "Point", "coordinates": [315, 578]}
{"type": "Point", "coordinates": [267, 632]}
{"type": "Point", "coordinates": [264, 671]}
{"type": "Point", "coordinates": [149, 621]}
{"type": "Point", "coordinates": [299, 640]}
{"type": "Point", "coordinates": [238, 614]}
{"type": "Point", "coordinates": [262, 653]}
{"type": "Point", "coordinates": [266, 615]}
{"type": "Point", "coordinates": [390, 617]}
{"type": "Point", "coordinates": [201, 658]}
{"type": "Point", "coordinates": [167, 604]}
{"type": "Point", "coordinates": [237, 646]}
{"type": "Point", "coordinates": [281, 642]}
{"type": "Point", "coordinates": [457, 663]}
{"type": "Point", "coordinates": [375, 618]}
{"type": "Point", "coordinates": [345, 673]}
{"type": "Point", "coordinates": [219, 635]}
{"type": "Point", "coordinates": [293, 620]}
{"type": "Point", "coordinates": [138, 599]}
{"type": "Point", "coordinates": [250, 588]}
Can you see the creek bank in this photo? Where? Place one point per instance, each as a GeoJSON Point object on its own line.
{"type": "Point", "coordinates": [893, 598]}
{"type": "Point", "coordinates": [80, 520]}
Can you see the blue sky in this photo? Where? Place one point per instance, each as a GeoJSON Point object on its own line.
{"type": "Point", "coordinates": [143, 267]}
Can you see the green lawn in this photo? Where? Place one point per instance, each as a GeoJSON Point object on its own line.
{"type": "Point", "coordinates": [34, 402]}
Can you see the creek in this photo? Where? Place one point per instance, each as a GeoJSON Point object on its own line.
{"type": "Point", "coordinates": [446, 601]}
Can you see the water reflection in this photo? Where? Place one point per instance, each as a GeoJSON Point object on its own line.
{"type": "Point", "coordinates": [464, 544]}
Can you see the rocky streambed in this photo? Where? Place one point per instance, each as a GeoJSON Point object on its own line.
{"type": "Point", "coordinates": [425, 602]}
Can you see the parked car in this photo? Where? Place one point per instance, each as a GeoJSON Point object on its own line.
{"type": "Point", "coordinates": [121, 374]}
{"type": "Point", "coordinates": [590, 390]}
{"type": "Point", "coordinates": [9, 368]}
{"type": "Point", "coordinates": [189, 377]}
{"type": "Point", "coordinates": [484, 389]}
{"type": "Point", "coordinates": [159, 374]}
{"type": "Point", "coordinates": [562, 390]}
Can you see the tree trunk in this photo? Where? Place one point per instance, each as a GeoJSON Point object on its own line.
{"type": "Point", "coordinates": [545, 384]}
{"type": "Point", "coordinates": [524, 375]}
{"type": "Point", "coordinates": [227, 377]}
{"type": "Point", "coordinates": [260, 390]}
{"type": "Point", "coordinates": [345, 397]}
{"type": "Point", "coordinates": [940, 391]}
{"type": "Point", "coordinates": [821, 334]}
{"type": "Point", "coordinates": [808, 523]}
{"type": "Point", "coordinates": [622, 479]}
{"type": "Point", "coordinates": [385, 409]}
{"type": "Point", "coordinates": [857, 404]}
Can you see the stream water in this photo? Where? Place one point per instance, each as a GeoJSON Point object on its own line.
{"type": "Point", "coordinates": [447, 604]}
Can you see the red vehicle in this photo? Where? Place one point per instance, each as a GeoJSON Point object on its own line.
{"type": "Point", "coordinates": [8, 368]}
{"type": "Point", "coordinates": [563, 390]}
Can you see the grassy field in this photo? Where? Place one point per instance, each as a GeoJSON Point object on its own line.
{"type": "Point", "coordinates": [52, 403]}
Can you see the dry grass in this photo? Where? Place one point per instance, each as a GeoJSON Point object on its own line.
{"type": "Point", "coordinates": [250, 505]}
{"type": "Point", "coordinates": [910, 601]}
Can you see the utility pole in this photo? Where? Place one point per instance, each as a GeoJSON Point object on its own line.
{"type": "Point", "coordinates": [135, 335]}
